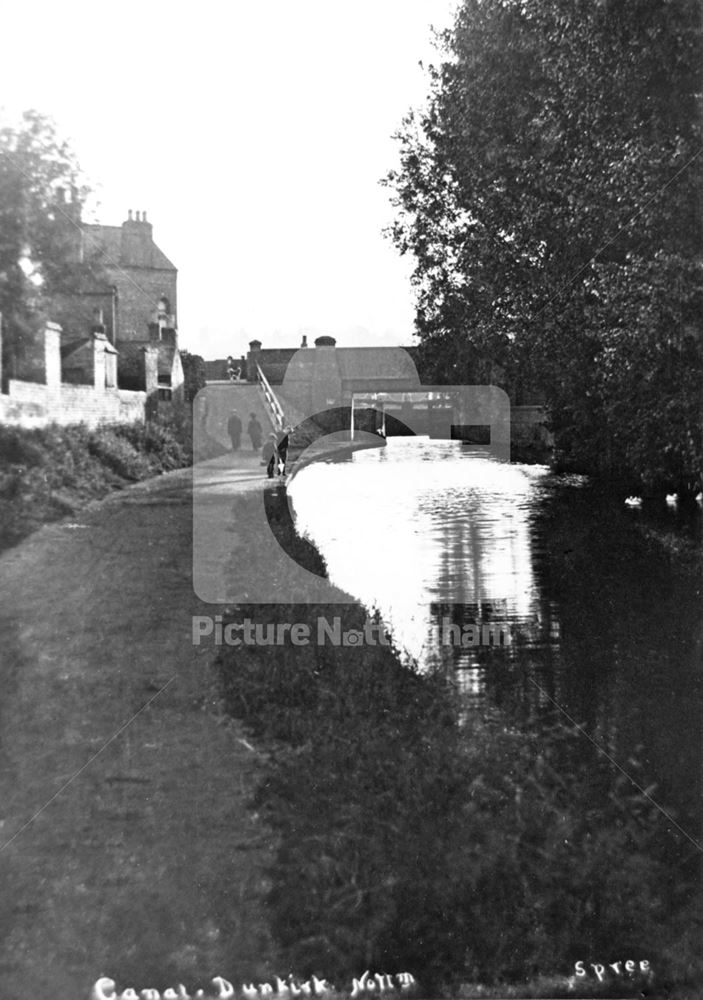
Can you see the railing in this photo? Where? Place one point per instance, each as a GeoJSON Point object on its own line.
{"type": "Point", "coordinates": [274, 407]}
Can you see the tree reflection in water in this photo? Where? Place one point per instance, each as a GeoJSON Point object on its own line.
{"type": "Point", "coordinates": [453, 819]}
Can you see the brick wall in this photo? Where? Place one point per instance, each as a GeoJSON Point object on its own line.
{"type": "Point", "coordinates": [24, 409]}
{"type": "Point", "coordinates": [273, 362]}
{"type": "Point", "coordinates": [138, 294]}
{"type": "Point", "coordinates": [27, 404]}
{"type": "Point", "coordinates": [83, 404]}
{"type": "Point", "coordinates": [32, 393]}
{"type": "Point", "coordinates": [33, 404]}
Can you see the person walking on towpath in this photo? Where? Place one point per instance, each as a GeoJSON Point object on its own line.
{"type": "Point", "coordinates": [282, 449]}
{"type": "Point", "coordinates": [269, 454]}
{"type": "Point", "coordinates": [234, 429]}
{"type": "Point", "coordinates": [254, 431]}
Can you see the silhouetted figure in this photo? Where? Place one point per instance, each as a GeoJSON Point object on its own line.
{"type": "Point", "coordinates": [234, 429]}
{"type": "Point", "coordinates": [282, 449]}
{"type": "Point", "coordinates": [255, 432]}
{"type": "Point", "coordinates": [204, 409]}
{"type": "Point", "coordinates": [269, 455]}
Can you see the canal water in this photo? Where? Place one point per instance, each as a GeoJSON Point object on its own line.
{"type": "Point", "coordinates": [600, 605]}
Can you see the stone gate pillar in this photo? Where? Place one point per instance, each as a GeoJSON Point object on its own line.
{"type": "Point", "coordinates": [151, 380]}
{"type": "Point", "coordinates": [52, 365]}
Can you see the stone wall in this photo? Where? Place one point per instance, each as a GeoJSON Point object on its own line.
{"type": "Point", "coordinates": [35, 404]}
{"type": "Point", "coordinates": [29, 404]}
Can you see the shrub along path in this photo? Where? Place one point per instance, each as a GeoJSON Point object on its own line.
{"type": "Point", "coordinates": [129, 850]}
{"type": "Point", "coordinates": [50, 472]}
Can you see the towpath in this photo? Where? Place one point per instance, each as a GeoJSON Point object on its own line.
{"type": "Point", "coordinates": [126, 845]}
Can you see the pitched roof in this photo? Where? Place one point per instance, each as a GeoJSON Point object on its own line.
{"type": "Point", "coordinates": [109, 239]}
{"type": "Point", "coordinates": [105, 238]}
{"type": "Point", "coordinates": [74, 346]}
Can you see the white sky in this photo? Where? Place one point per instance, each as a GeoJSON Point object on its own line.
{"type": "Point", "coordinates": [254, 135]}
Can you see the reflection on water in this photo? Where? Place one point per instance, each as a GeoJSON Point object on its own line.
{"type": "Point", "coordinates": [422, 524]}
{"type": "Point", "coordinates": [604, 624]}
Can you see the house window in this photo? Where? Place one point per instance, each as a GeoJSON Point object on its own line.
{"type": "Point", "coordinates": [164, 395]}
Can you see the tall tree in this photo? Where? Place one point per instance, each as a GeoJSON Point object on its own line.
{"type": "Point", "coordinates": [193, 374]}
{"type": "Point", "coordinates": [37, 229]}
{"type": "Point", "coordinates": [551, 196]}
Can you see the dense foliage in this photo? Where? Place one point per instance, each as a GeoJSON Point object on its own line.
{"type": "Point", "coordinates": [52, 471]}
{"type": "Point", "coordinates": [193, 374]}
{"type": "Point", "coordinates": [550, 193]}
{"type": "Point", "coordinates": [409, 838]}
{"type": "Point", "coordinates": [37, 233]}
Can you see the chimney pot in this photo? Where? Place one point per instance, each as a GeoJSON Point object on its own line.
{"type": "Point", "coordinates": [129, 215]}
{"type": "Point", "coordinates": [304, 342]}
{"type": "Point", "coordinates": [143, 216]}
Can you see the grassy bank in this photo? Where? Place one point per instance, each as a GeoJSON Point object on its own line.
{"type": "Point", "coordinates": [48, 473]}
{"type": "Point", "coordinates": [462, 850]}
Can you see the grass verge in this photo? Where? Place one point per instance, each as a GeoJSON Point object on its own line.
{"type": "Point", "coordinates": [50, 472]}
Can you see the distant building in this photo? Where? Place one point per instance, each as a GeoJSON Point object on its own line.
{"type": "Point", "coordinates": [354, 363]}
{"type": "Point", "coordinates": [226, 370]}
{"type": "Point", "coordinates": [127, 290]}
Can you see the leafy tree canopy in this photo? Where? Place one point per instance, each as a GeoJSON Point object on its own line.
{"type": "Point", "coordinates": [193, 374]}
{"type": "Point", "coordinates": [550, 193]}
{"type": "Point", "coordinates": [37, 231]}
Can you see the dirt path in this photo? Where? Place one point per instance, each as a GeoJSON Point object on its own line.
{"type": "Point", "coordinates": [128, 850]}
{"type": "Point", "coordinates": [244, 398]}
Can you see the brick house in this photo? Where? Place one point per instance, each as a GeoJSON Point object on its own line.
{"type": "Point", "coordinates": [128, 291]}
